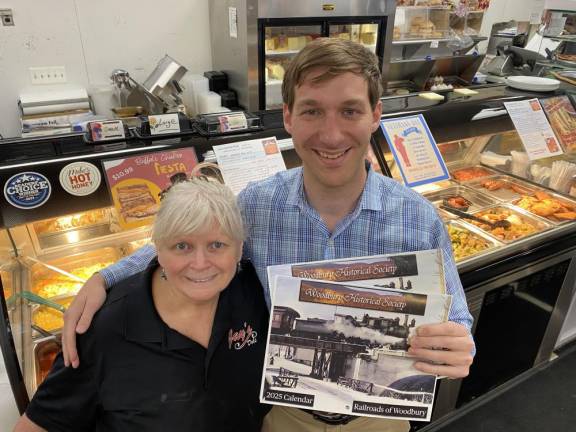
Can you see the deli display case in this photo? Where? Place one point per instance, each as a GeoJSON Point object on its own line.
{"type": "Point", "coordinates": [519, 279]}
{"type": "Point", "coordinates": [519, 282]}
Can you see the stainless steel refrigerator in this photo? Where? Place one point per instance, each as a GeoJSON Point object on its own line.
{"type": "Point", "coordinates": [254, 40]}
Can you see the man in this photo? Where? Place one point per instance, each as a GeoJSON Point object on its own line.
{"type": "Point", "coordinates": [334, 206]}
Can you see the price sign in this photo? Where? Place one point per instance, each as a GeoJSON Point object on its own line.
{"type": "Point", "coordinates": [135, 183]}
{"type": "Point", "coordinates": [164, 124]}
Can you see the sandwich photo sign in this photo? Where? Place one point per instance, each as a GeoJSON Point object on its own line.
{"type": "Point", "coordinates": [136, 183]}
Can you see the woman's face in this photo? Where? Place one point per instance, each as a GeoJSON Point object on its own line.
{"type": "Point", "coordinates": [200, 265]}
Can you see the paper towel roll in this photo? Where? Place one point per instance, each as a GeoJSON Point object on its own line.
{"type": "Point", "coordinates": [46, 109]}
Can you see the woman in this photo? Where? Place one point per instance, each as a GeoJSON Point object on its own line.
{"type": "Point", "coordinates": [177, 347]}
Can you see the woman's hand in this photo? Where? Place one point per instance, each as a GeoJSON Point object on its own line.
{"type": "Point", "coordinates": [445, 348]}
{"type": "Point", "coordinates": [78, 316]}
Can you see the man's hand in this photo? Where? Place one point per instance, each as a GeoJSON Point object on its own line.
{"type": "Point", "coordinates": [79, 314]}
{"type": "Point", "coordinates": [447, 346]}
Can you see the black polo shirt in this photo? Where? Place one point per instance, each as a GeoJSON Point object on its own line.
{"type": "Point", "coordinates": [137, 374]}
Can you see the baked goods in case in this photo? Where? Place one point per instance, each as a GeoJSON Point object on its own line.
{"type": "Point", "coordinates": [136, 202]}
{"type": "Point", "coordinates": [421, 27]}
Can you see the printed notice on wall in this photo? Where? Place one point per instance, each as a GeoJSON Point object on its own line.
{"type": "Point", "coordinates": [245, 161]}
{"type": "Point", "coordinates": [136, 183]}
{"type": "Point", "coordinates": [414, 150]}
{"type": "Point", "coordinates": [535, 132]}
{"type": "Point", "coordinates": [233, 22]}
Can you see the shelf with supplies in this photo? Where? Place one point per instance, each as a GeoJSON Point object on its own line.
{"type": "Point", "coordinates": [419, 41]}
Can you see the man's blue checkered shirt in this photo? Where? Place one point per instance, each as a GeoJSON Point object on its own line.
{"type": "Point", "coordinates": [283, 228]}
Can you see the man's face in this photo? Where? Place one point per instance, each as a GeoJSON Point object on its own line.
{"type": "Point", "coordinates": [331, 123]}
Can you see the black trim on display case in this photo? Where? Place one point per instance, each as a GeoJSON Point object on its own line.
{"type": "Point", "coordinates": [11, 358]}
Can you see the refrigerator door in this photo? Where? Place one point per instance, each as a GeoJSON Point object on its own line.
{"type": "Point", "coordinates": [280, 41]}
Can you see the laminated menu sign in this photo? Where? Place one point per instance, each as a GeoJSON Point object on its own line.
{"type": "Point", "coordinates": [562, 117]}
{"type": "Point", "coordinates": [135, 183]}
{"type": "Point", "coordinates": [533, 128]}
{"type": "Point", "coordinates": [341, 346]}
{"type": "Point", "coordinates": [245, 161]}
{"type": "Point", "coordinates": [414, 150]}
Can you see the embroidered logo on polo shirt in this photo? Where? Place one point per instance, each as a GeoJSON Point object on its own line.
{"type": "Point", "coordinates": [246, 336]}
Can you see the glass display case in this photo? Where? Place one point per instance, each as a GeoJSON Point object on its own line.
{"type": "Point", "coordinates": [467, 17]}
{"type": "Point", "coordinates": [53, 258]}
{"type": "Point", "coordinates": [421, 21]}
{"type": "Point", "coordinates": [436, 28]}
{"type": "Point", "coordinates": [48, 252]}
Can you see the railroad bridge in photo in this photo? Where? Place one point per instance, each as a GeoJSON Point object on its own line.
{"type": "Point", "coordinates": [329, 359]}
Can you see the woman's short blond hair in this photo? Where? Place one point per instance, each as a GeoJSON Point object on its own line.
{"type": "Point", "coordinates": [194, 206]}
{"type": "Point", "coordinates": [336, 57]}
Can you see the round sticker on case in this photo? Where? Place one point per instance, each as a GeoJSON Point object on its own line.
{"type": "Point", "coordinates": [80, 178]}
{"type": "Point", "coordinates": [27, 190]}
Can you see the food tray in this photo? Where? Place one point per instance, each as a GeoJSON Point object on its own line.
{"type": "Point", "coordinates": [510, 189]}
{"type": "Point", "coordinates": [549, 205]}
{"type": "Point", "coordinates": [80, 226]}
{"type": "Point", "coordinates": [469, 241]}
{"type": "Point", "coordinates": [471, 173]}
{"type": "Point", "coordinates": [432, 187]}
{"type": "Point", "coordinates": [52, 284]}
{"type": "Point", "coordinates": [477, 200]}
{"type": "Point", "coordinates": [527, 224]}
{"type": "Point", "coordinates": [45, 351]}
{"type": "Point", "coordinates": [48, 318]}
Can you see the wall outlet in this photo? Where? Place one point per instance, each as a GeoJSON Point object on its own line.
{"type": "Point", "coordinates": [6, 17]}
{"type": "Point", "coordinates": [48, 75]}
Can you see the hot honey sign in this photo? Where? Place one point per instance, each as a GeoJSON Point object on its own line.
{"type": "Point", "coordinates": [135, 183]}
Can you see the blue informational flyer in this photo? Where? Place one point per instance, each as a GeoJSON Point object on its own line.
{"type": "Point", "coordinates": [414, 150]}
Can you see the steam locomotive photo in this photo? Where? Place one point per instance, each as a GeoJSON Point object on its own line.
{"type": "Point", "coordinates": [372, 332]}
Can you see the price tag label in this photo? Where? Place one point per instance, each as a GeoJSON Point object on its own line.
{"type": "Point", "coordinates": [400, 18]}
{"type": "Point", "coordinates": [232, 122]}
{"type": "Point", "coordinates": [106, 130]}
{"type": "Point", "coordinates": [434, 44]}
{"type": "Point", "coordinates": [164, 124]}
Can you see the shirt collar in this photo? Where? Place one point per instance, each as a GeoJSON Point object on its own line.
{"type": "Point", "coordinates": [143, 324]}
{"type": "Point", "coordinates": [370, 199]}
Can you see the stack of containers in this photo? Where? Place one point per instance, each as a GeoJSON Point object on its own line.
{"type": "Point", "coordinates": [193, 85]}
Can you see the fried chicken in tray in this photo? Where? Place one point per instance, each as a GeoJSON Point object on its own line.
{"type": "Point", "coordinates": [543, 204]}
{"type": "Point", "coordinates": [457, 202]}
